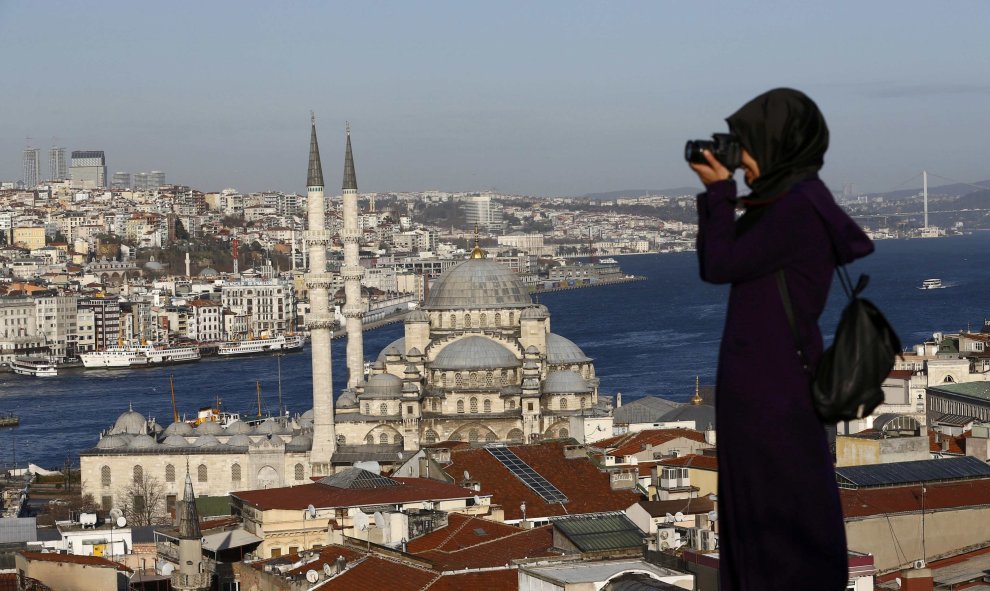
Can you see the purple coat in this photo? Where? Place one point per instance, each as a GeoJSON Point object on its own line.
{"type": "Point", "coordinates": [780, 519]}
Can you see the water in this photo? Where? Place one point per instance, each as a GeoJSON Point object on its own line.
{"type": "Point", "coordinates": [647, 338]}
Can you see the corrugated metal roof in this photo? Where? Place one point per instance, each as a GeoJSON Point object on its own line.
{"type": "Point", "coordinates": [897, 473]}
{"type": "Point", "coordinates": [18, 529]}
{"type": "Point", "coordinates": [979, 390]}
{"type": "Point", "coordinates": [594, 534]}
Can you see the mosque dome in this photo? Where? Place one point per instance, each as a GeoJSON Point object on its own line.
{"type": "Point", "coordinates": [347, 399]}
{"type": "Point", "coordinates": [239, 440]}
{"type": "Point", "coordinates": [398, 344]}
{"type": "Point", "coordinates": [561, 351]}
{"type": "Point", "coordinates": [539, 312]}
{"type": "Point", "coordinates": [111, 442]}
{"type": "Point", "coordinates": [175, 440]}
{"type": "Point", "coordinates": [239, 428]}
{"type": "Point", "coordinates": [565, 382]}
{"type": "Point", "coordinates": [703, 415]}
{"type": "Point", "coordinates": [154, 266]}
{"type": "Point", "coordinates": [272, 427]}
{"type": "Point", "coordinates": [383, 385]}
{"type": "Point", "coordinates": [209, 272]}
{"type": "Point", "coordinates": [307, 415]}
{"type": "Point", "coordinates": [209, 428]}
{"type": "Point", "coordinates": [206, 441]}
{"type": "Point", "coordinates": [478, 283]}
{"type": "Point", "coordinates": [300, 443]}
{"type": "Point", "coordinates": [418, 315]}
{"type": "Point", "coordinates": [131, 422]}
{"type": "Point", "coordinates": [142, 442]}
{"type": "Point", "coordinates": [474, 353]}
{"type": "Point", "coordinates": [179, 428]}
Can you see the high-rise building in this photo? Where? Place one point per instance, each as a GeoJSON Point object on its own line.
{"type": "Point", "coordinates": [121, 180]}
{"type": "Point", "coordinates": [32, 167]}
{"type": "Point", "coordinates": [481, 210]}
{"type": "Point", "coordinates": [56, 164]}
{"type": "Point", "coordinates": [140, 181]}
{"type": "Point", "coordinates": [89, 168]}
{"type": "Point", "coordinates": [156, 178]}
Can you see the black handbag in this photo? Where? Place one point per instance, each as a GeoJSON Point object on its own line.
{"type": "Point", "coordinates": [847, 383]}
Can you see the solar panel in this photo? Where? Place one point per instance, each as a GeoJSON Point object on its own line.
{"type": "Point", "coordinates": [529, 476]}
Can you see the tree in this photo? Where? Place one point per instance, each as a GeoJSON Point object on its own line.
{"type": "Point", "coordinates": [143, 500]}
{"type": "Point", "coordinates": [180, 231]}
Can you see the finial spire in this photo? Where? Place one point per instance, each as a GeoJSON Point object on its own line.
{"type": "Point", "coordinates": [478, 252]}
{"type": "Point", "coordinates": [350, 177]}
{"type": "Point", "coordinates": [697, 400]}
{"type": "Point", "coordinates": [315, 176]}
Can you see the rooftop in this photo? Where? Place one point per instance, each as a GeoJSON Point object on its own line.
{"type": "Point", "coordinates": [914, 472]}
{"type": "Point", "coordinates": [323, 496]}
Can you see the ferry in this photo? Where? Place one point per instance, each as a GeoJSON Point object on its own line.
{"type": "Point", "coordinates": [41, 367]}
{"type": "Point", "coordinates": [124, 357]}
{"type": "Point", "coordinates": [931, 284]}
{"type": "Point", "coordinates": [282, 342]}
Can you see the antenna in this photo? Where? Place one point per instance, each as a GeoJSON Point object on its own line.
{"type": "Point", "coordinates": [312, 576]}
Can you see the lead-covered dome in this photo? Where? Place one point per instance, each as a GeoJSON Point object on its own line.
{"type": "Point", "coordinates": [179, 428]}
{"type": "Point", "coordinates": [131, 422]}
{"type": "Point", "coordinates": [209, 428]}
{"type": "Point", "coordinates": [561, 351]}
{"type": "Point", "coordinates": [398, 344]}
{"type": "Point", "coordinates": [383, 385]}
{"type": "Point", "coordinates": [474, 353]}
{"type": "Point", "coordinates": [478, 283]}
{"type": "Point", "coordinates": [565, 382]}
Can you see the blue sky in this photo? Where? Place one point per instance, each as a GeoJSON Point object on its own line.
{"type": "Point", "coordinates": [542, 98]}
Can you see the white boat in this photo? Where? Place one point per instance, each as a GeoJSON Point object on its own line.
{"type": "Point", "coordinates": [123, 357]}
{"type": "Point", "coordinates": [931, 284]}
{"type": "Point", "coordinates": [282, 342]}
{"type": "Point", "coordinates": [41, 367]}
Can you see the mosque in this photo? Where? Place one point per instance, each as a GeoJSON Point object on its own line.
{"type": "Point", "coordinates": [477, 363]}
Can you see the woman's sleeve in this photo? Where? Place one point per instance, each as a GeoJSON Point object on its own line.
{"type": "Point", "coordinates": [725, 258]}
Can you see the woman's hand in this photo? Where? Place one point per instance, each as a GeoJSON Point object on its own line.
{"type": "Point", "coordinates": [712, 172]}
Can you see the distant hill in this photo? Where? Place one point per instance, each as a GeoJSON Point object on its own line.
{"type": "Point", "coordinates": [953, 190]}
{"type": "Point", "coordinates": [678, 191]}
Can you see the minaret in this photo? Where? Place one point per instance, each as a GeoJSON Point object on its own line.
{"type": "Point", "coordinates": [190, 576]}
{"type": "Point", "coordinates": [352, 273]}
{"type": "Point", "coordinates": [319, 320]}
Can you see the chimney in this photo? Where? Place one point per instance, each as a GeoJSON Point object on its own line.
{"type": "Point", "coordinates": [917, 579]}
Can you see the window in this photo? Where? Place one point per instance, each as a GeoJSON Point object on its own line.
{"type": "Point", "coordinates": [299, 472]}
{"type": "Point", "coordinates": [460, 406]}
{"type": "Point", "coordinates": [383, 409]}
{"type": "Point", "coordinates": [563, 404]}
{"type": "Point", "coordinates": [170, 503]}
{"type": "Point", "coordinates": [397, 439]}
{"type": "Point", "coordinates": [276, 552]}
{"type": "Point", "coordinates": [491, 437]}
{"type": "Point", "coordinates": [105, 475]}
{"type": "Point", "coordinates": [341, 440]}
{"type": "Point", "coordinates": [293, 549]}
{"type": "Point", "coordinates": [474, 404]}
{"type": "Point", "coordinates": [434, 404]}
{"type": "Point", "coordinates": [459, 379]}
{"type": "Point", "coordinates": [235, 473]}
{"type": "Point", "coordinates": [367, 409]}
{"type": "Point", "coordinates": [138, 474]}
{"type": "Point", "coordinates": [106, 503]}
{"type": "Point", "coordinates": [369, 439]}
{"type": "Point", "coordinates": [584, 401]}
{"type": "Point", "coordinates": [383, 438]}
{"type": "Point", "coordinates": [484, 319]}
{"type": "Point", "coordinates": [431, 436]}
{"type": "Point", "coordinates": [563, 433]}
{"type": "Point", "coordinates": [529, 406]}
{"type": "Point", "coordinates": [138, 504]}
{"type": "Point", "coordinates": [510, 404]}
{"type": "Point", "coordinates": [489, 378]}
{"type": "Point", "coordinates": [473, 436]}
{"type": "Point", "coordinates": [201, 473]}
{"type": "Point", "coordinates": [498, 319]}
{"type": "Point", "coordinates": [488, 406]}
{"type": "Point", "coordinates": [409, 409]}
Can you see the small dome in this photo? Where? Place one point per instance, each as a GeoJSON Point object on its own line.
{"type": "Point", "coordinates": [209, 272]}
{"type": "Point", "coordinates": [209, 428]}
{"type": "Point", "coordinates": [175, 440]}
{"type": "Point", "coordinates": [131, 422]}
{"type": "Point", "coordinates": [539, 312]}
{"type": "Point", "coordinates": [418, 316]}
{"type": "Point", "coordinates": [411, 370]}
{"type": "Point", "coordinates": [474, 353]}
{"type": "Point", "coordinates": [111, 442]}
{"type": "Point", "coordinates": [561, 351]}
{"type": "Point", "coordinates": [399, 344]}
{"type": "Point", "coordinates": [378, 366]}
{"type": "Point", "coordinates": [565, 382]}
{"type": "Point", "coordinates": [383, 385]}
{"type": "Point", "coordinates": [154, 266]}
{"type": "Point", "coordinates": [347, 399]}
{"type": "Point", "coordinates": [272, 427]}
{"type": "Point", "coordinates": [239, 427]}
{"type": "Point", "coordinates": [142, 442]}
{"type": "Point", "coordinates": [179, 428]}
{"type": "Point", "coordinates": [300, 443]}
{"type": "Point", "coordinates": [239, 440]}
{"type": "Point", "coordinates": [414, 352]}
{"type": "Point", "coordinates": [206, 441]}
{"type": "Point", "coordinates": [156, 428]}
{"type": "Point", "coordinates": [532, 350]}
{"type": "Point", "coordinates": [478, 283]}
{"type": "Point", "coordinates": [307, 415]}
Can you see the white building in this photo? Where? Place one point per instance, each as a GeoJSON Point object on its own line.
{"type": "Point", "coordinates": [205, 322]}
{"type": "Point", "coordinates": [267, 303]}
{"type": "Point", "coordinates": [56, 317]}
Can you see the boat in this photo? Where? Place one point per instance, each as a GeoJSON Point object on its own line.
{"type": "Point", "coordinates": [124, 357]}
{"type": "Point", "coordinates": [9, 419]}
{"type": "Point", "coordinates": [282, 342]}
{"type": "Point", "coordinates": [41, 367]}
{"type": "Point", "coordinates": [931, 284]}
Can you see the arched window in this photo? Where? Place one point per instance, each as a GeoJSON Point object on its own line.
{"type": "Point", "coordinates": [455, 437]}
{"type": "Point", "coordinates": [235, 473]}
{"type": "Point", "coordinates": [383, 409]}
{"type": "Point", "coordinates": [397, 439]}
{"type": "Point", "coordinates": [383, 438]}
{"type": "Point", "coordinates": [489, 378]}
{"type": "Point", "coordinates": [473, 436]}
{"type": "Point", "coordinates": [510, 404]}
{"type": "Point", "coordinates": [512, 318]}
{"type": "Point", "coordinates": [563, 433]}
{"type": "Point", "coordinates": [460, 406]}
{"type": "Point", "coordinates": [563, 404]}
{"type": "Point", "coordinates": [431, 436]}
{"type": "Point", "coordinates": [201, 473]}
{"type": "Point", "coordinates": [484, 319]}
{"type": "Point", "coordinates": [443, 379]}
{"type": "Point", "coordinates": [491, 437]}
{"type": "Point", "coordinates": [300, 472]}
{"type": "Point", "coordinates": [434, 404]}
{"type": "Point", "coordinates": [498, 319]}
{"type": "Point", "coordinates": [138, 474]}
{"type": "Point", "coordinates": [169, 473]}
{"type": "Point", "coordinates": [473, 380]}
{"type": "Point", "coordinates": [368, 439]}
{"type": "Point", "coordinates": [105, 475]}
{"type": "Point", "coordinates": [516, 436]}
{"type": "Point", "coordinates": [453, 321]}
{"type": "Point", "coordinates": [948, 380]}
{"type": "Point", "coordinates": [440, 321]}
{"type": "Point", "coordinates": [459, 379]}
{"type": "Point", "coordinates": [584, 401]}
{"type": "Point", "coordinates": [367, 409]}
{"type": "Point", "coordinates": [341, 440]}
{"type": "Point", "coordinates": [488, 406]}
{"type": "Point", "coordinates": [474, 404]}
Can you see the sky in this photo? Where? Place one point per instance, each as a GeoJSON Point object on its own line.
{"type": "Point", "coordinates": [541, 98]}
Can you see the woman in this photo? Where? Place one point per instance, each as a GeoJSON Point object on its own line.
{"type": "Point", "coordinates": [780, 519]}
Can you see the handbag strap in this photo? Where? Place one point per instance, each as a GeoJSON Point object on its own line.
{"type": "Point", "coordinates": [785, 297]}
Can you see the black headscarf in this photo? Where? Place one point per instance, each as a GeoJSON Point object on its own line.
{"type": "Point", "coordinates": [786, 134]}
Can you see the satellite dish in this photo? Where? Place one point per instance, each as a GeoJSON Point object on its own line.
{"type": "Point", "coordinates": [327, 570]}
{"type": "Point", "coordinates": [713, 516]}
{"type": "Point", "coordinates": [664, 546]}
{"type": "Point", "coordinates": [379, 520]}
{"type": "Point", "coordinates": [713, 497]}
{"type": "Point", "coordinates": [670, 518]}
{"type": "Point", "coordinates": [312, 576]}
{"type": "Point", "coordinates": [467, 476]}
{"type": "Point", "coordinates": [115, 513]}
{"type": "Point", "coordinates": [167, 569]}
{"type": "Point", "coordinates": [361, 520]}
{"type": "Point", "coordinates": [121, 522]}
{"type": "Point", "coordinates": [311, 510]}
{"type": "Point", "coordinates": [679, 516]}
{"type": "Point", "coordinates": [477, 500]}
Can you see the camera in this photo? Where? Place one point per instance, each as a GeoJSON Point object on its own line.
{"type": "Point", "coordinates": [724, 146]}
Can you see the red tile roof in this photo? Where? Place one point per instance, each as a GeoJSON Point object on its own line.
{"type": "Point", "coordinates": [698, 461]}
{"type": "Point", "coordinates": [471, 542]}
{"type": "Point", "coordinates": [495, 580]}
{"type": "Point", "coordinates": [375, 574]}
{"type": "Point", "coordinates": [97, 561]}
{"type": "Point", "coordinates": [459, 533]}
{"type": "Point", "coordinates": [587, 488]}
{"type": "Point", "coordinates": [634, 443]}
{"type": "Point", "coordinates": [323, 496]}
{"type": "Point", "coordinates": [900, 374]}
{"type": "Point", "coordinates": [868, 502]}
{"type": "Point", "coordinates": [956, 443]}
